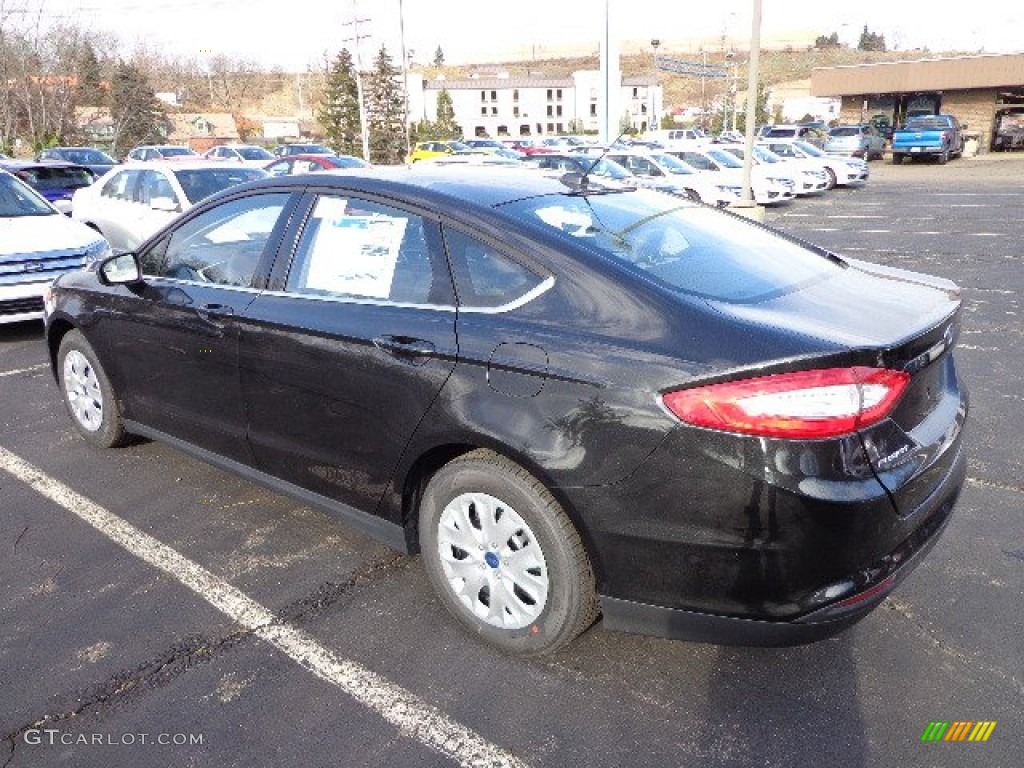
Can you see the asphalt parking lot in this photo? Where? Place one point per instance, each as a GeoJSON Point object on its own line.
{"type": "Point", "coordinates": [161, 612]}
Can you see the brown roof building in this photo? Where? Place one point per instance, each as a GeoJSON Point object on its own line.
{"type": "Point", "coordinates": [979, 90]}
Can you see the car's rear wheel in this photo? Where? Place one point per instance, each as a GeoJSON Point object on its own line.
{"type": "Point", "coordinates": [831, 178]}
{"type": "Point", "coordinates": [944, 157]}
{"type": "Point", "coordinates": [504, 557]}
{"type": "Point", "coordinates": [95, 410]}
{"type": "Point", "coordinates": [896, 158]}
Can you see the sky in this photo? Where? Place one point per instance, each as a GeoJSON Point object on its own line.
{"type": "Point", "coordinates": [296, 34]}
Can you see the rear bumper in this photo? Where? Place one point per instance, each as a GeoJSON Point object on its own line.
{"type": "Point", "coordinates": [854, 596]}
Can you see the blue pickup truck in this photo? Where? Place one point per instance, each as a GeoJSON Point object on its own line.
{"type": "Point", "coordinates": [939, 136]}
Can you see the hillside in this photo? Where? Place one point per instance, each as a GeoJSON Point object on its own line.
{"type": "Point", "coordinates": [777, 66]}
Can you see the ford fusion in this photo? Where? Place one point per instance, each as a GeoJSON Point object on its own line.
{"type": "Point", "coordinates": [572, 401]}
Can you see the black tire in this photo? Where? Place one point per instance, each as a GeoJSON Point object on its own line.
{"type": "Point", "coordinates": [533, 534]}
{"type": "Point", "coordinates": [944, 157]}
{"type": "Point", "coordinates": [94, 408]}
{"type": "Point", "coordinates": [896, 159]}
{"type": "Point", "coordinates": [831, 178]}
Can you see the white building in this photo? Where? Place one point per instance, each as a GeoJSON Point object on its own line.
{"type": "Point", "coordinates": [527, 106]}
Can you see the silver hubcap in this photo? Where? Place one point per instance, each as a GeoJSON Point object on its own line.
{"type": "Point", "coordinates": [492, 560]}
{"type": "Point", "coordinates": [82, 389]}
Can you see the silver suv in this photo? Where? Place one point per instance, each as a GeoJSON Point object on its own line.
{"type": "Point", "coordinates": [862, 140]}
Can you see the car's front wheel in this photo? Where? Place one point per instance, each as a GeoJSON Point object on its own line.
{"type": "Point", "coordinates": [504, 557]}
{"type": "Point", "coordinates": [94, 409]}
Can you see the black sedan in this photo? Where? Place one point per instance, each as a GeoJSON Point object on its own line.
{"type": "Point", "coordinates": [571, 400]}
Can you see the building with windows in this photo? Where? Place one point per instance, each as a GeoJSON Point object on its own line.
{"type": "Point", "coordinates": [524, 106]}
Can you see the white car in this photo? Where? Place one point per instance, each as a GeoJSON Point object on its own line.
{"type": "Point", "coordinates": [37, 243]}
{"type": "Point", "coordinates": [838, 170]}
{"type": "Point", "coordinates": [766, 188]}
{"type": "Point", "coordinates": [245, 154]}
{"type": "Point", "coordinates": [682, 179]}
{"type": "Point", "coordinates": [807, 180]}
{"type": "Point", "coordinates": [132, 202]}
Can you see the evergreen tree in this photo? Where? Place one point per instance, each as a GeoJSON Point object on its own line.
{"type": "Point", "coordinates": [90, 91]}
{"type": "Point", "coordinates": [439, 57]}
{"type": "Point", "coordinates": [385, 111]}
{"type": "Point", "coordinates": [870, 41]}
{"type": "Point", "coordinates": [137, 114]}
{"type": "Point", "coordinates": [446, 127]}
{"type": "Point", "coordinates": [338, 112]}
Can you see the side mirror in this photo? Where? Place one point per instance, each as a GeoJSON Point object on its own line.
{"type": "Point", "coordinates": [122, 269]}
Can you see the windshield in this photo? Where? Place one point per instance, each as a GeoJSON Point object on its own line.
{"type": "Point", "coordinates": [847, 130]}
{"type": "Point", "coordinates": [682, 247]}
{"type": "Point", "coordinates": [175, 151]}
{"type": "Point", "coordinates": [347, 161]}
{"type": "Point", "coordinates": [458, 146]}
{"type": "Point", "coordinates": [18, 199]}
{"type": "Point", "coordinates": [809, 149]}
{"type": "Point", "coordinates": [88, 156]}
{"type": "Point", "coordinates": [726, 159]}
{"type": "Point", "coordinates": [255, 153]}
{"type": "Point", "coordinates": [673, 164]}
{"type": "Point", "coordinates": [607, 168]}
{"type": "Point", "coordinates": [198, 184]}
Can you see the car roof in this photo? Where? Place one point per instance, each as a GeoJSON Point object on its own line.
{"type": "Point", "coordinates": [19, 165]}
{"type": "Point", "coordinates": [486, 186]}
{"type": "Point", "coordinates": [186, 165]}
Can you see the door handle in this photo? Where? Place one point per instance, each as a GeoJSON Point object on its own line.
{"type": "Point", "coordinates": [405, 346]}
{"type": "Point", "coordinates": [214, 311]}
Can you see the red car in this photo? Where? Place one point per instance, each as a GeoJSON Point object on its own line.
{"type": "Point", "coordinates": [528, 146]}
{"type": "Point", "coordinates": [283, 166]}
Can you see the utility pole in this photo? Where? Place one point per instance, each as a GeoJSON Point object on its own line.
{"type": "Point", "coordinates": [405, 78]}
{"type": "Point", "coordinates": [356, 38]}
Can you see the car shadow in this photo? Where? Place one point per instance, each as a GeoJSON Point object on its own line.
{"type": "Point", "coordinates": [787, 706]}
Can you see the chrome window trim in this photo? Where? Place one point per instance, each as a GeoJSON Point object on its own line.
{"type": "Point", "coordinates": [526, 298]}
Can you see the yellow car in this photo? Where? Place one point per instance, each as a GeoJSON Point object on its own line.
{"type": "Point", "coordinates": [425, 150]}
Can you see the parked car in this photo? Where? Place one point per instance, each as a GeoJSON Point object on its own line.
{"type": "Point", "coordinates": [311, 163]}
{"type": "Point", "coordinates": [938, 136]}
{"type": "Point", "coordinates": [806, 181]}
{"type": "Point", "coordinates": [855, 141]}
{"type": "Point", "coordinates": [675, 175]}
{"type": "Point", "coordinates": [286, 150]}
{"type": "Point", "coordinates": [568, 402]}
{"type": "Point", "coordinates": [246, 154]}
{"type": "Point", "coordinates": [55, 181]}
{"type": "Point", "coordinates": [37, 243]}
{"type": "Point", "coordinates": [842, 171]}
{"type": "Point", "coordinates": [766, 188]}
{"type": "Point", "coordinates": [424, 150]}
{"type": "Point", "coordinates": [1009, 130]}
{"type": "Point", "coordinates": [527, 146]}
{"type": "Point", "coordinates": [96, 160]}
{"type": "Point", "coordinates": [602, 169]}
{"type": "Point", "coordinates": [129, 204]}
{"type": "Point", "coordinates": [150, 152]}
{"type": "Point", "coordinates": [806, 131]}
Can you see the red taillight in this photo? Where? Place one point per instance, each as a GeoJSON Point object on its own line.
{"type": "Point", "coordinates": [807, 404]}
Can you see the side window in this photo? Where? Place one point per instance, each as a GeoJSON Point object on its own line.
{"type": "Point", "coordinates": [122, 186]}
{"type": "Point", "coordinates": [152, 185]}
{"type": "Point", "coordinates": [362, 249]}
{"type": "Point", "coordinates": [222, 245]}
{"type": "Point", "coordinates": [485, 278]}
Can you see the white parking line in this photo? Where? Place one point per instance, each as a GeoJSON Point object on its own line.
{"type": "Point", "coordinates": [407, 712]}
{"type": "Point", "coordinates": [30, 369]}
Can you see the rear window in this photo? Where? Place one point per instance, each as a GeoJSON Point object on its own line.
{"type": "Point", "coordinates": [847, 130]}
{"type": "Point", "coordinates": [46, 179]}
{"type": "Point", "coordinates": [926, 124]}
{"type": "Point", "coordinates": [199, 184]}
{"type": "Point", "coordinates": [682, 247]}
